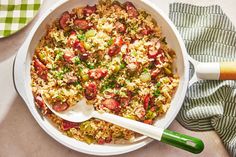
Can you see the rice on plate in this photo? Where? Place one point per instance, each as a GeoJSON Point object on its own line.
{"type": "Point", "coordinates": [112, 54]}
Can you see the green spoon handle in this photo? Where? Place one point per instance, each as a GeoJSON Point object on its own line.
{"type": "Point", "coordinates": [182, 141]}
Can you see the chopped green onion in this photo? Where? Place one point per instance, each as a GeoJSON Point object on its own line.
{"type": "Point", "coordinates": [158, 84]}
{"type": "Point", "coordinates": [145, 70]}
{"type": "Point", "coordinates": [110, 42]}
{"type": "Point", "coordinates": [59, 55]}
{"type": "Point", "coordinates": [157, 93]}
{"type": "Point", "coordinates": [81, 36]}
{"type": "Point", "coordinates": [90, 66]}
{"type": "Point", "coordinates": [122, 65]}
{"type": "Point", "coordinates": [76, 60]}
{"type": "Point", "coordinates": [134, 53]}
{"type": "Point", "coordinates": [150, 115]}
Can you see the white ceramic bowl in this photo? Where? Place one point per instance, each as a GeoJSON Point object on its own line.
{"type": "Point", "coordinates": [22, 75]}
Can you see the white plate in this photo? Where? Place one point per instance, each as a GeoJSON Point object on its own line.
{"type": "Point", "coordinates": [22, 75]}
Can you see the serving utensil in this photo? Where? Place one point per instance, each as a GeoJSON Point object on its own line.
{"type": "Point", "coordinates": [82, 112]}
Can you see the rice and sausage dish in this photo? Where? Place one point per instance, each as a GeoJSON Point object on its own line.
{"type": "Point", "coordinates": [112, 54]}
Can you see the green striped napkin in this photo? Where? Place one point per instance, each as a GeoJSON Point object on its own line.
{"type": "Point", "coordinates": [15, 14]}
{"type": "Point", "coordinates": [209, 36]}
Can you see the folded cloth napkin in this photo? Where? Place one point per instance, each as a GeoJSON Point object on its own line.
{"type": "Point", "coordinates": [209, 36]}
{"type": "Point", "coordinates": [15, 14]}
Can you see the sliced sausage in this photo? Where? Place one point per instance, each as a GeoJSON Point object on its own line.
{"type": "Point", "coordinates": [41, 69]}
{"type": "Point", "coordinates": [119, 41]}
{"type": "Point", "coordinates": [65, 17]}
{"type": "Point", "coordinates": [88, 10]}
{"type": "Point", "coordinates": [148, 121]}
{"type": "Point", "coordinates": [91, 91]}
{"type": "Point", "coordinates": [66, 125]}
{"type": "Point", "coordinates": [79, 46]}
{"type": "Point", "coordinates": [84, 56]}
{"type": "Point", "coordinates": [116, 47]}
{"type": "Point", "coordinates": [39, 102]}
{"type": "Point", "coordinates": [154, 73]}
{"type": "Point", "coordinates": [82, 24]}
{"type": "Point", "coordinates": [111, 104]}
{"type": "Point", "coordinates": [97, 73]}
{"type": "Point", "coordinates": [131, 10]}
{"type": "Point", "coordinates": [117, 5]}
{"type": "Point", "coordinates": [146, 31]}
{"type": "Point", "coordinates": [152, 54]}
{"type": "Point", "coordinates": [60, 106]}
{"type": "Point", "coordinates": [101, 141]}
{"type": "Point", "coordinates": [124, 101]}
{"type": "Point", "coordinates": [113, 50]}
{"type": "Point", "coordinates": [41, 105]}
{"type": "Point", "coordinates": [108, 139]}
{"type": "Point", "coordinates": [146, 101]}
{"type": "Point", "coordinates": [120, 27]}
{"type": "Point", "coordinates": [160, 60]}
{"type": "Point", "coordinates": [68, 56]}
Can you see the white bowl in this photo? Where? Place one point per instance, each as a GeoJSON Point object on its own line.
{"type": "Point", "coordinates": [22, 78]}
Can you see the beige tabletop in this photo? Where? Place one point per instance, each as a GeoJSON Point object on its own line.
{"type": "Point", "coordinates": [21, 136]}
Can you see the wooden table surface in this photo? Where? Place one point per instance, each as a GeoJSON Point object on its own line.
{"type": "Point", "coordinates": [21, 136]}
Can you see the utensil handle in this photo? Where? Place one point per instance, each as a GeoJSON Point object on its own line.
{"type": "Point", "coordinates": [182, 141]}
{"type": "Point", "coordinates": [185, 142]}
{"type": "Point", "coordinates": [216, 71]}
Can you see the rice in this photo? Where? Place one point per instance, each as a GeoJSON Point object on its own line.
{"type": "Point", "coordinates": [115, 57]}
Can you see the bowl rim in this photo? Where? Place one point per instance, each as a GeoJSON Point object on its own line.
{"type": "Point", "coordinates": [21, 91]}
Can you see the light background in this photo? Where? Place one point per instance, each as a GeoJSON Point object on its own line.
{"type": "Point", "coordinates": [21, 136]}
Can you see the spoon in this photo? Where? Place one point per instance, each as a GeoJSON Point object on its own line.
{"type": "Point", "coordinates": [82, 112]}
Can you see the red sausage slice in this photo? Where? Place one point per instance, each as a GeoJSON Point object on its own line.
{"type": "Point", "coordinates": [68, 56]}
{"type": "Point", "coordinates": [63, 20]}
{"type": "Point", "coordinates": [91, 91]}
{"type": "Point", "coordinates": [66, 125]}
{"type": "Point", "coordinates": [119, 41]}
{"type": "Point", "coordinates": [146, 101]}
{"type": "Point", "coordinates": [88, 10]}
{"type": "Point", "coordinates": [39, 102]}
{"type": "Point", "coordinates": [152, 54]}
{"type": "Point", "coordinates": [113, 50]}
{"type": "Point", "coordinates": [84, 56]}
{"type": "Point", "coordinates": [154, 73]}
{"type": "Point", "coordinates": [111, 104]}
{"type": "Point", "coordinates": [148, 121]}
{"type": "Point", "coordinates": [120, 27]}
{"type": "Point", "coordinates": [41, 69]}
{"type": "Point", "coordinates": [60, 106]}
{"type": "Point", "coordinates": [116, 47]}
{"type": "Point", "coordinates": [146, 31]}
{"type": "Point", "coordinates": [82, 24]}
{"type": "Point", "coordinates": [79, 46]}
{"type": "Point", "coordinates": [131, 10]}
